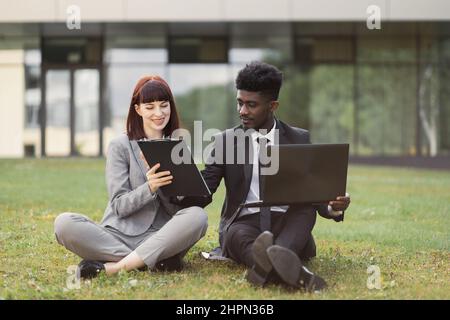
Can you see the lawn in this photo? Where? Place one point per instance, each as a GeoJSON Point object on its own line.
{"type": "Point", "coordinates": [398, 221]}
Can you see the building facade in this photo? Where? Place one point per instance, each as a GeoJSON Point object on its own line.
{"type": "Point", "coordinates": [66, 90]}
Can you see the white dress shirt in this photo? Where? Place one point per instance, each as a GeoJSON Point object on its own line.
{"type": "Point", "coordinates": [254, 192]}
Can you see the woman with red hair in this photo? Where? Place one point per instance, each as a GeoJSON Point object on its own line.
{"type": "Point", "coordinates": [140, 227]}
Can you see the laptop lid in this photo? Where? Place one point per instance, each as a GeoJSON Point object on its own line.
{"type": "Point", "coordinates": [308, 173]}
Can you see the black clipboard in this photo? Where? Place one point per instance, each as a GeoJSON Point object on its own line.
{"type": "Point", "coordinates": [187, 179]}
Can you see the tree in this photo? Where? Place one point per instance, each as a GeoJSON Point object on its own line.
{"type": "Point", "coordinates": [429, 108]}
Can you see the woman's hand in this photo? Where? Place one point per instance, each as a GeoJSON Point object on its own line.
{"type": "Point", "coordinates": [157, 180]}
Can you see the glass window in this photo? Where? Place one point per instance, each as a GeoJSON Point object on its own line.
{"type": "Point", "coordinates": [295, 97]}
{"type": "Point", "coordinates": [32, 61]}
{"type": "Point", "coordinates": [329, 49]}
{"type": "Point", "coordinates": [57, 130]}
{"type": "Point", "coordinates": [121, 80]}
{"type": "Point", "coordinates": [136, 55]}
{"type": "Point", "coordinates": [133, 49]}
{"type": "Point", "coordinates": [323, 49]}
{"type": "Point", "coordinates": [72, 50]}
{"type": "Point", "coordinates": [444, 96]}
{"type": "Point", "coordinates": [386, 110]}
{"type": "Point", "coordinates": [32, 95]}
{"type": "Point", "coordinates": [32, 57]}
{"type": "Point", "coordinates": [86, 100]}
{"type": "Point", "coordinates": [198, 49]}
{"type": "Point", "coordinates": [246, 49]}
{"type": "Point", "coordinates": [331, 103]}
{"type": "Point", "coordinates": [444, 111]}
{"type": "Point", "coordinates": [202, 93]}
{"type": "Point", "coordinates": [320, 99]}
{"type": "Point", "coordinates": [32, 66]}
{"type": "Point", "coordinates": [429, 48]}
{"type": "Point", "coordinates": [127, 58]}
{"type": "Point", "coordinates": [387, 48]}
{"type": "Point", "coordinates": [433, 107]}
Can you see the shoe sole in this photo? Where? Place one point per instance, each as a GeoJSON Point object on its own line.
{"type": "Point", "coordinates": [286, 264]}
{"type": "Point", "coordinates": [291, 270]}
{"type": "Point", "coordinates": [259, 249]}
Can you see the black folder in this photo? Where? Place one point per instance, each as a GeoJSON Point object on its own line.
{"type": "Point", "coordinates": [187, 179]}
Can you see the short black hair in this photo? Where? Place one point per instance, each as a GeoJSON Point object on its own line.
{"type": "Point", "coordinates": [260, 77]}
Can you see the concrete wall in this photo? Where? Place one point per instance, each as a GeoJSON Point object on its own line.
{"type": "Point", "coordinates": [222, 10]}
{"type": "Point", "coordinates": [12, 87]}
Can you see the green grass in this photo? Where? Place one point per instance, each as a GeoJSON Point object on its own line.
{"type": "Point", "coordinates": [398, 220]}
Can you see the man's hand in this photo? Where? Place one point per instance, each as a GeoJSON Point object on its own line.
{"type": "Point", "coordinates": [341, 203]}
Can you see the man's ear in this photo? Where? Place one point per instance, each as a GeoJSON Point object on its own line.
{"type": "Point", "coordinates": [274, 105]}
{"type": "Point", "coordinates": [138, 109]}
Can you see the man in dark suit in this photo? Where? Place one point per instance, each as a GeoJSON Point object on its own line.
{"type": "Point", "coordinates": [271, 242]}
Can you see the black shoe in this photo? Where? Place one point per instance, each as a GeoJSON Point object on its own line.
{"type": "Point", "coordinates": [174, 263]}
{"type": "Point", "coordinates": [142, 269]}
{"type": "Point", "coordinates": [291, 270]}
{"type": "Point", "coordinates": [88, 269]}
{"type": "Point", "coordinates": [259, 274]}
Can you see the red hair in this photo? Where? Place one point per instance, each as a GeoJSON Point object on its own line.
{"type": "Point", "coordinates": [150, 89]}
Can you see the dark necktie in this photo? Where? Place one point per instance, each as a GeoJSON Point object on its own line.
{"type": "Point", "coordinates": [265, 223]}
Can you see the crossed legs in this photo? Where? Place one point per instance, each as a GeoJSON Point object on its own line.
{"type": "Point", "coordinates": [291, 230]}
{"type": "Point", "coordinates": [91, 241]}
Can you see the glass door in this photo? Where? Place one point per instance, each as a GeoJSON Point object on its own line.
{"type": "Point", "coordinates": [86, 105]}
{"type": "Point", "coordinates": [57, 98]}
{"type": "Point", "coordinates": [72, 104]}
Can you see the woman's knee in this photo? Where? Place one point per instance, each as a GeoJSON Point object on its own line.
{"type": "Point", "coordinates": [64, 226]}
{"type": "Point", "coordinates": [197, 217]}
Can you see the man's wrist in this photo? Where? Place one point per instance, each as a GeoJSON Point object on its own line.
{"type": "Point", "coordinates": [334, 213]}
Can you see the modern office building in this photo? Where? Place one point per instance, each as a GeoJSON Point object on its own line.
{"type": "Point", "coordinates": [66, 90]}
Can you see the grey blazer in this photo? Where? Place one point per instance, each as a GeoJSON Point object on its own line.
{"type": "Point", "coordinates": [132, 207]}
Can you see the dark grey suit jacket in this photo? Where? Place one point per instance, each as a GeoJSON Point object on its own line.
{"type": "Point", "coordinates": [237, 178]}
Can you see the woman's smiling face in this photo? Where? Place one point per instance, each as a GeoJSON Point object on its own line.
{"type": "Point", "coordinates": [155, 115]}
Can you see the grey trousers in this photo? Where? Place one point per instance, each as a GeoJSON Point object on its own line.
{"type": "Point", "coordinates": [92, 241]}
